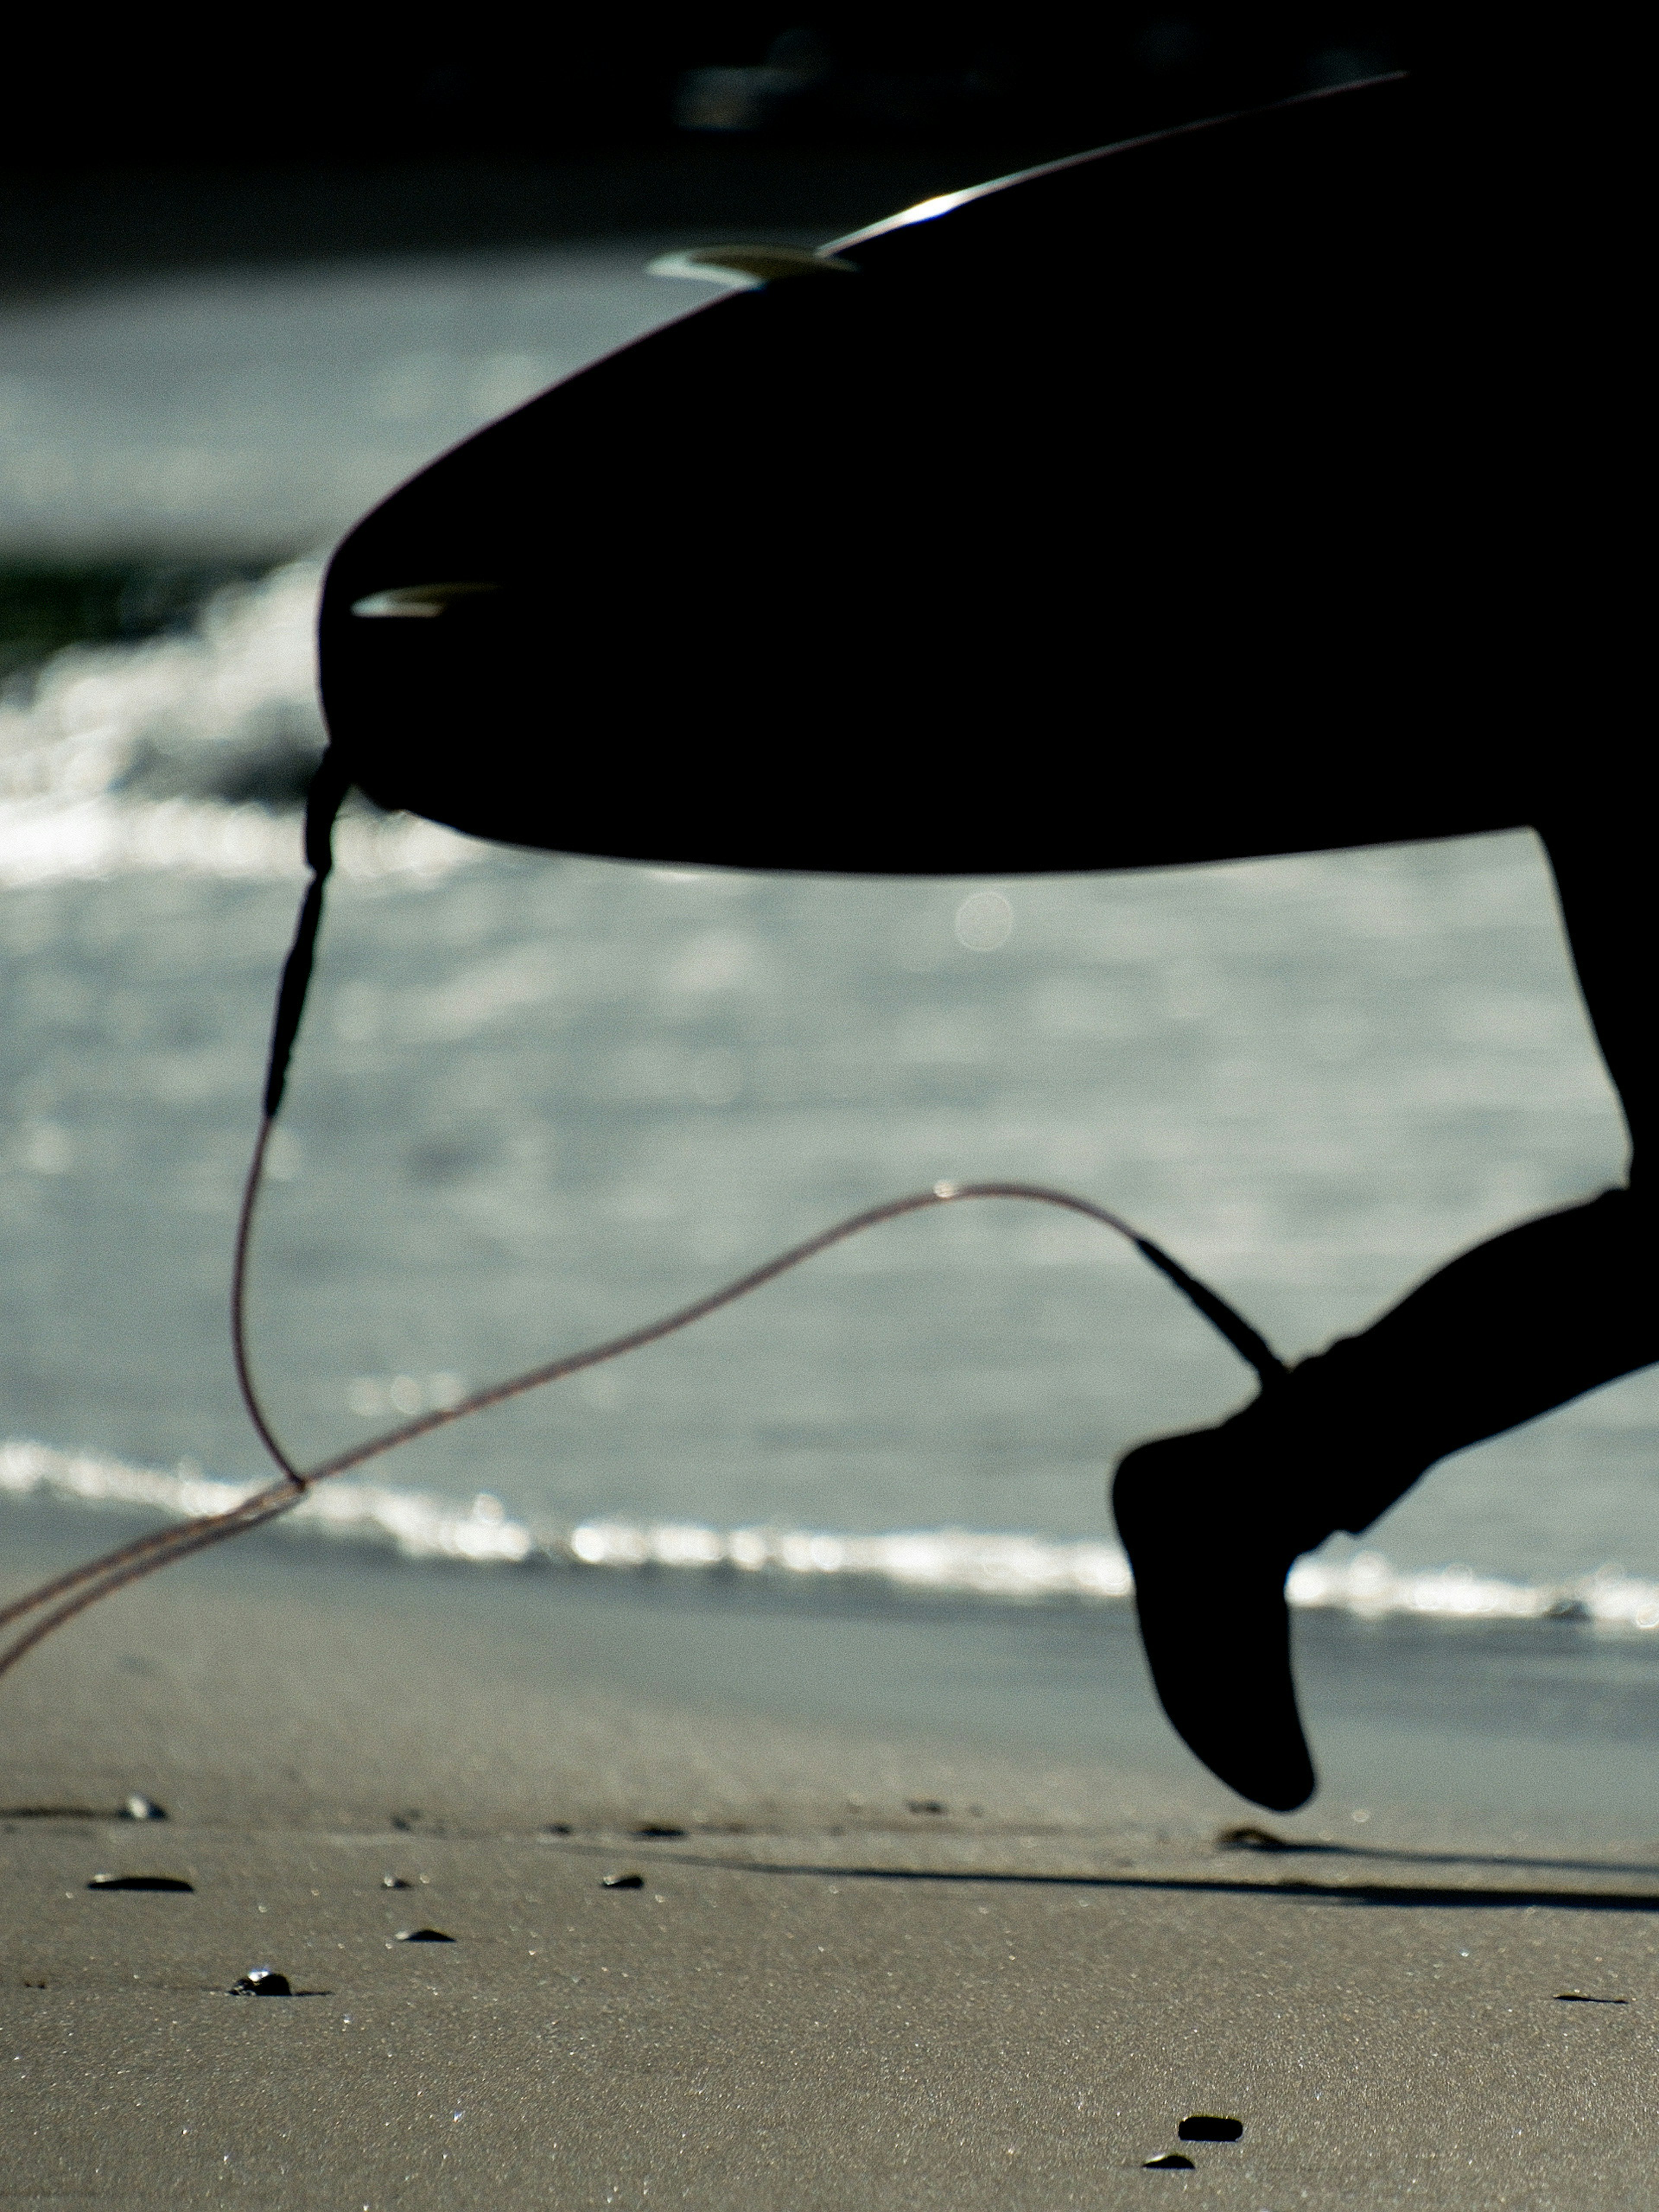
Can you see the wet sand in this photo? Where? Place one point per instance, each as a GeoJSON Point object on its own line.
{"type": "Point", "coordinates": [879, 1967]}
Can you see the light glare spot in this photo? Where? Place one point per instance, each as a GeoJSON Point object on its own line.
{"type": "Point", "coordinates": [284, 1158]}
{"type": "Point", "coordinates": [984, 920]}
{"type": "Point", "coordinates": [47, 1150]}
{"type": "Point", "coordinates": [365, 1396]}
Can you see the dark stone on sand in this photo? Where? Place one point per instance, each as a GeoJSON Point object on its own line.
{"type": "Point", "coordinates": [1252, 1839]}
{"type": "Point", "coordinates": [139, 1808]}
{"type": "Point", "coordinates": [261, 1982]}
{"type": "Point", "coordinates": [925, 1805]}
{"type": "Point", "coordinates": [140, 1882]}
{"type": "Point", "coordinates": [423, 1935]}
{"type": "Point", "coordinates": [394, 1882]}
{"type": "Point", "coordinates": [656, 1828]}
{"type": "Point", "coordinates": [556, 1828]}
{"type": "Point", "coordinates": [621, 1881]}
{"type": "Point", "coordinates": [1171, 2159]}
{"type": "Point", "coordinates": [1209, 2127]}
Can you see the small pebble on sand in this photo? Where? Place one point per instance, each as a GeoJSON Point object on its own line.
{"type": "Point", "coordinates": [262, 1982]}
{"type": "Point", "coordinates": [1248, 1838]}
{"type": "Point", "coordinates": [140, 1881]}
{"type": "Point", "coordinates": [1209, 2127]}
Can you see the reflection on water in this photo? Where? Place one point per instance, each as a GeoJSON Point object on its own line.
{"type": "Point", "coordinates": [265, 410]}
{"type": "Point", "coordinates": [538, 1100]}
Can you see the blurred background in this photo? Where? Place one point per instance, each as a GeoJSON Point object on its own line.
{"type": "Point", "coordinates": [248, 287]}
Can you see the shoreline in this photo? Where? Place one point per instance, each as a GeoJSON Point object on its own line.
{"type": "Point", "coordinates": [372, 1521]}
{"type": "Point", "coordinates": [363, 1678]}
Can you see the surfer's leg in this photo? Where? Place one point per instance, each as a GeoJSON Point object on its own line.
{"type": "Point", "coordinates": [1506, 1332]}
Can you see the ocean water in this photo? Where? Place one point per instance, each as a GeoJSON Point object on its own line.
{"type": "Point", "coordinates": [262, 409]}
{"type": "Point", "coordinates": [540, 1100]}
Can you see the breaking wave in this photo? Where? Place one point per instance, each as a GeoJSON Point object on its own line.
{"type": "Point", "coordinates": [418, 1526]}
{"type": "Point", "coordinates": [188, 754]}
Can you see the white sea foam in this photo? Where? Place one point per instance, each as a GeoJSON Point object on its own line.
{"type": "Point", "coordinates": [122, 759]}
{"type": "Point", "coordinates": [421, 1527]}
{"type": "Point", "coordinates": [42, 842]}
{"type": "Point", "coordinates": [245, 669]}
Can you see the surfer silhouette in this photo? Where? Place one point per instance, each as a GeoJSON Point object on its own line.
{"type": "Point", "coordinates": [1149, 510]}
{"type": "Point", "coordinates": [1180, 502]}
{"type": "Point", "coordinates": [1157, 508]}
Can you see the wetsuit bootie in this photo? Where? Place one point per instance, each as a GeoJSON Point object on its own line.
{"type": "Point", "coordinates": [1213, 1526]}
{"type": "Point", "coordinates": [1213, 1521]}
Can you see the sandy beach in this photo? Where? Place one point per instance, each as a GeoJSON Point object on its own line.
{"type": "Point", "coordinates": [864, 1963]}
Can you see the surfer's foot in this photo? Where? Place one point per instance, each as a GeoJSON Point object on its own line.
{"type": "Point", "coordinates": [1211, 1533]}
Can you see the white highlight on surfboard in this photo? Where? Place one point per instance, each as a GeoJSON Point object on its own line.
{"type": "Point", "coordinates": [419, 1526]}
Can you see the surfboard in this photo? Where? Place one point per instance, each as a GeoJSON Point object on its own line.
{"type": "Point", "coordinates": [999, 539]}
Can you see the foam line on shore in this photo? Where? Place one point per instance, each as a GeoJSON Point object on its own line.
{"type": "Point", "coordinates": [421, 1527]}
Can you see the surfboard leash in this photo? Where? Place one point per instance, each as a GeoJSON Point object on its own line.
{"type": "Point", "coordinates": [60, 1600]}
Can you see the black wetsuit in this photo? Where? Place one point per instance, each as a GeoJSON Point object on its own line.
{"type": "Point", "coordinates": [1242, 491]}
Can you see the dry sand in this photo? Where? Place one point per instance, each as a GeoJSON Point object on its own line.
{"type": "Point", "coordinates": [824, 1993]}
